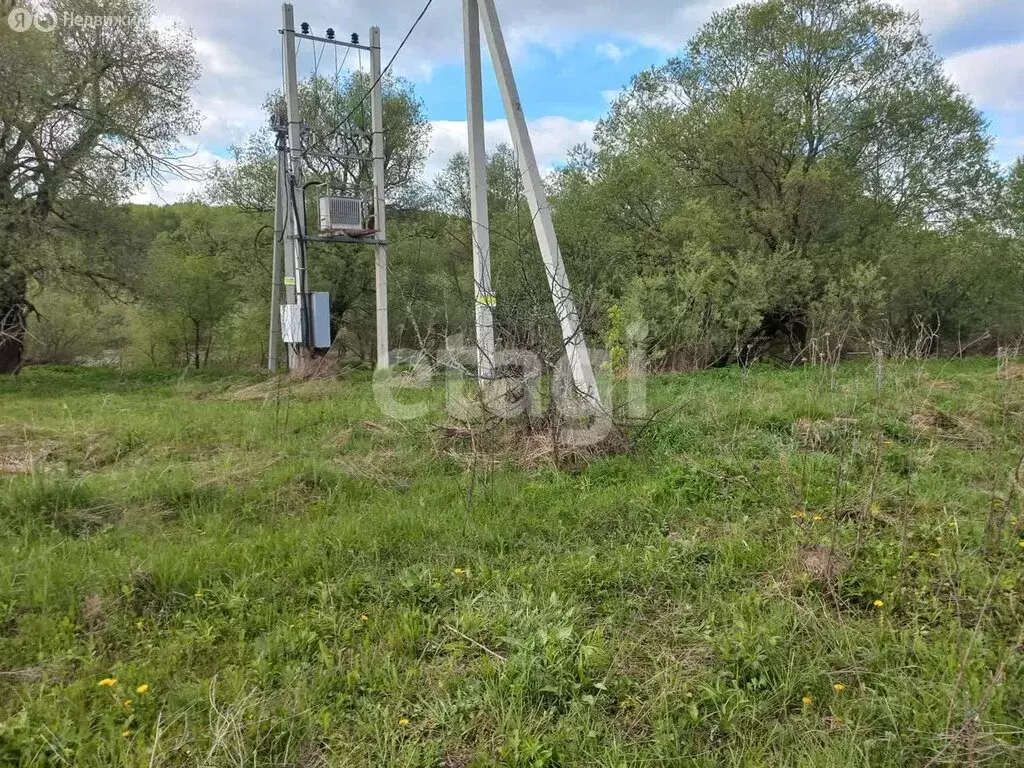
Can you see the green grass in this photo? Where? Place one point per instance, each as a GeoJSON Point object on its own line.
{"type": "Point", "coordinates": [301, 581]}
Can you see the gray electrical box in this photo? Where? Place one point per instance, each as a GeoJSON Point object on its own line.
{"type": "Point", "coordinates": [321, 302]}
{"type": "Point", "coordinates": [291, 321]}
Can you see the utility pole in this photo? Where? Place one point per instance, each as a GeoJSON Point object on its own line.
{"type": "Point", "coordinates": [483, 295]}
{"type": "Point", "coordinates": [295, 198]}
{"type": "Point", "coordinates": [540, 211]}
{"type": "Point", "coordinates": [379, 213]}
{"type": "Point", "coordinates": [280, 196]}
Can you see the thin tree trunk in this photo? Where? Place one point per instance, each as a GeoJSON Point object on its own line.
{"type": "Point", "coordinates": [13, 313]}
{"type": "Point", "coordinates": [196, 326]}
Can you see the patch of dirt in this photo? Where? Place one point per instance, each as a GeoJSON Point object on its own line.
{"type": "Point", "coordinates": [457, 760]}
{"type": "Point", "coordinates": [312, 756]}
{"type": "Point", "coordinates": [821, 563]}
{"type": "Point", "coordinates": [22, 452]}
{"type": "Point", "coordinates": [933, 422]}
{"type": "Point", "coordinates": [25, 675]}
{"type": "Point", "coordinates": [529, 448]}
{"type": "Point", "coordinates": [94, 618]}
{"type": "Point", "coordinates": [824, 434]}
{"type": "Point", "coordinates": [1011, 370]}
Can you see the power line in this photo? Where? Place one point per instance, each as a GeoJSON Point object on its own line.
{"type": "Point", "coordinates": [380, 77]}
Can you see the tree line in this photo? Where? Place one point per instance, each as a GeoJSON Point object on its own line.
{"type": "Point", "coordinates": [802, 181]}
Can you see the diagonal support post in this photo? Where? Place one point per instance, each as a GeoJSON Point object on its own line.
{"type": "Point", "coordinates": [540, 210]}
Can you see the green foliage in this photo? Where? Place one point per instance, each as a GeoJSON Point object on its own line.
{"type": "Point", "coordinates": [86, 117]}
{"type": "Point", "coordinates": [190, 286]}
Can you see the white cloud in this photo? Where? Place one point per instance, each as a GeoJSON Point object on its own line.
{"type": "Point", "coordinates": [993, 76]}
{"type": "Point", "coordinates": [552, 138]}
{"type": "Point", "coordinates": [940, 15]}
{"type": "Point", "coordinates": [217, 58]}
{"type": "Point", "coordinates": [239, 44]}
{"type": "Point", "coordinates": [610, 51]}
{"type": "Point", "coordinates": [612, 94]}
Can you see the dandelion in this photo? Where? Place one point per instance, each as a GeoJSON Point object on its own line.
{"type": "Point", "coordinates": [127, 703]}
{"type": "Point", "coordinates": [839, 687]}
{"type": "Point", "coordinates": [458, 571]}
{"type": "Point", "coordinates": [1021, 543]}
{"type": "Point", "coordinates": [878, 603]}
{"type": "Point", "coordinates": [806, 701]}
{"type": "Point", "coordinates": [798, 516]}
{"type": "Point", "coordinates": [108, 682]}
{"type": "Point", "coordinates": [139, 624]}
{"type": "Point", "coordinates": [404, 721]}
{"type": "Point", "coordinates": [126, 734]}
{"type": "Point", "coordinates": [818, 518]}
{"type": "Point", "coordinates": [143, 689]}
{"type": "Point", "coordinates": [363, 617]}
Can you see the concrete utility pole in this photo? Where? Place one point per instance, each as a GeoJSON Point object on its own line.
{"type": "Point", "coordinates": [379, 212]}
{"type": "Point", "coordinates": [295, 200]}
{"type": "Point", "coordinates": [303, 318]}
{"type": "Point", "coordinates": [280, 196]}
{"type": "Point", "coordinates": [540, 210]}
{"type": "Point", "coordinates": [483, 295]}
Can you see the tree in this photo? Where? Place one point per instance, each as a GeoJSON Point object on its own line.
{"type": "Point", "coordinates": [191, 285]}
{"type": "Point", "coordinates": [87, 113]}
{"type": "Point", "coordinates": [798, 129]}
{"type": "Point", "coordinates": [337, 112]}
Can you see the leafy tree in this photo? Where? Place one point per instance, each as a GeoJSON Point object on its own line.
{"type": "Point", "coordinates": [86, 115]}
{"type": "Point", "coordinates": [337, 113]}
{"type": "Point", "coordinates": [798, 128]}
{"type": "Point", "coordinates": [190, 287]}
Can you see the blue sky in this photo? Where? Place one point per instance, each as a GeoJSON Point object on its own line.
{"type": "Point", "coordinates": [569, 56]}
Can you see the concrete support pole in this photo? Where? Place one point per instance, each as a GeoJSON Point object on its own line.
{"type": "Point", "coordinates": [296, 195]}
{"type": "Point", "coordinates": [280, 197]}
{"type": "Point", "coordinates": [479, 223]}
{"type": "Point", "coordinates": [379, 212]}
{"type": "Point", "coordinates": [561, 290]}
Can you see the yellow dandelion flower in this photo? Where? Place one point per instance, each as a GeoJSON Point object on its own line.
{"type": "Point", "coordinates": [127, 704]}
{"type": "Point", "coordinates": [1021, 543]}
{"type": "Point", "coordinates": [404, 721]}
{"type": "Point", "coordinates": [108, 682]}
{"type": "Point", "coordinates": [878, 603]}
{"type": "Point", "coordinates": [798, 516]}
{"type": "Point", "coordinates": [139, 624]}
{"type": "Point", "coordinates": [363, 617]}
{"type": "Point", "coordinates": [806, 701]}
{"type": "Point", "coordinates": [143, 689]}
{"type": "Point", "coordinates": [125, 734]}
{"type": "Point", "coordinates": [839, 687]}
{"type": "Point", "coordinates": [818, 518]}
{"type": "Point", "coordinates": [458, 571]}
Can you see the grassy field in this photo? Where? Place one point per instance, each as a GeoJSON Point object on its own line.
{"type": "Point", "coordinates": [793, 567]}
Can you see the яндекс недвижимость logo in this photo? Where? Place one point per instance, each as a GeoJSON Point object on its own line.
{"type": "Point", "coordinates": [22, 19]}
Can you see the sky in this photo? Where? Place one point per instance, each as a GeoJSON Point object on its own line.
{"type": "Point", "coordinates": [570, 58]}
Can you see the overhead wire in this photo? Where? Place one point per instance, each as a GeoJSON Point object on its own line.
{"type": "Point", "coordinates": [380, 77]}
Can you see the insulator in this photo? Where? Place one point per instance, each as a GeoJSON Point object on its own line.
{"type": "Point", "coordinates": [355, 38]}
{"type": "Point", "coordinates": [330, 33]}
{"type": "Point", "coordinates": [305, 28]}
